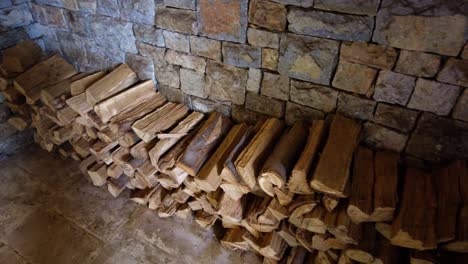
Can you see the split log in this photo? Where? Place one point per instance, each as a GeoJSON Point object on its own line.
{"type": "Point", "coordinates": [117, 186]}
{"type": "Point", "coordinates": [157, 197]}
{"type": "Point", "coordinates": [365, 251]}
{"type": "Point", "coordinates": [18, 122]}
{"type": "Point", "coordinates": [21, 57]}
{"type": "Point", "coordinates": [283, 195]}
{"type": "Point", "coordinates": [460, 244]}
{"type": "Point", "coordinates": [66, 115]}
{"type": "Point", "coordinates": [79, 86]}
{"type": "Point", "coordinates": [277, 210]}
{"type": "Point", "coordinates": [233, 239]}
{"type": "Point", "coordinates": [279, 164]}
{"type": "Point", "coordinates": [414, 226]}
{"type": "Point", "coordinates": [269, 245]}
{"type": "Point", "coordinates": [385, 186]}
{"type": "Point", "coordinates": [231, 210]}
{"type": "Point", "coordinates": [234, 190]}
{"type": "Point", "coordinates": [140, 149]}
{"type": "Point", "coordinates": [288, 233]}
{"type": "Point", "coordinates": [332, 172]}
{"type": "Point", "coordinates": [13, 96]}
{"type": "Point", "coordinates": [344, 229]}
{"type": "Point", "coordinates": [98, 174]}
{"type": "Point", "coordinates": [299, 207]}
{"type": "Point", "coordinates": [204, 219]}
{"type": "Point", "coordinates": [297, 255]}
{"type": "Point", "coordinates": [249, 162]}
{"type": "Point", "coordinates": [180, 196]}
{"type": "Point", "coordinates": [299, 182]}
{"type": "Point", "coordinates": [117, 80]}
{"type": "Point", "coordinates": [86, 164]}
{"type": "Point", "coordinates": [330, 202]}
{"type": "Point", "coordinates": [209, 176]}
{"type": "Point", "coordinates": [160, 120]}
{"type": "Point", "coordinates": [114, 171]}
{"type": "Point", "coordinates": [424, 257]}
{"type": "Point", "coordinates": [141, 196]}
{"type": "Point", "coordinates": [54, 96]}
{"type": "Point", "coordinates": [79, 104]}
{"type": "Point", "coordinates": [203, 143]}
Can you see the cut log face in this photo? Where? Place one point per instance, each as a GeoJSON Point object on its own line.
{"type": "Point", "coordinates": [278, 165]}
{"type": "Point", "coordinates": [98, 174]}
{"type": "Point", "coordinates": [414, 226]}
{"type": "Point", "coordinates": [332, 172]}
{"type": "Point", "coordinates": [299, 182]}
{"type": "Point", "coordinates": [203, 143]}
{"type": "Point", "coordinates": [249, 162]}
{"type": "Point", "coordinates": [330, 202]}
{"type": "Point", "coordinates": [114, 82]}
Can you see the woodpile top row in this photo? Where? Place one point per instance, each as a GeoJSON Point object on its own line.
{"type": "Point", "coordinates": [298, 194]}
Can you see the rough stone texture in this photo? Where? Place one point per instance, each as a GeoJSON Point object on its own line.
{"type": "Point", "coordinates": [73, 47]}
{"type": "Point", "coordinates": [6, 130]}
{"type": "Point", "coordinates": [4, 112]}
{"type": "Point", "coordinates": [254, 80]}
{"type": "Point", "coordinates": [207, 106]}
{"type": "Point", "coordinates": [265, 105]}
{"type": "Point", "coordinates": [183, 21]}
{"type": "Point", "coordinates": [143, 66]}
{"type": "Point", "coordinates": [108, 8]}
{"type": "Point", "coordinates": [149, 34]}
{"type": "Point", "coordinates": [439, 139]}
{"type": "Point", "coordinates": [434, 97]}
{"type": "Point", "coordinates": [362, 7]}
{"type": "Point", "coordinates": [78, 23]}
{"type": "Point", "coordinates": [454, 72]}
{"type": "Point", "coordinates": [5, 3]}
{"type": "Point", "coordinates": [422, 26]}
{"type": "Point", "coordinates": [242, 55]}
{"type": "Point", "coordinates": [15, 16]}
{"type": "Point", "coordinates": [276, 86]}
{"type": "Point", "coordinates": [172, 94]}
{"type": "Point", "coordinates": [376, 56]}
{"type": "Point", "coordinates": [187, 61]}
{"type": "Point", "coordinates": [204, 47]}
{"type": "Point", "coordinates": [267, 14]}
{"type": "Point", "coordinates": [395, 117]}
{"type": "Point", "coordinates": [393, 88]}
{"type": "Point", "coordinates": [223, 19]}
{"type": "Point", "coordinates": [193, 83]}
{"type": "Point", "coordinates": [168, 75]}
{"type": "Point", "coordinates": [354, 77]}
{"type": "Point", "coordinates": [11, 37]}
{"type": "Point", "coordinates": [383, 138]}
{"type": "Point", "coordinates": [226, 83]}
{"type": "Point", "coordinates": [141, 11]}
{"type": "Point", "coordinates": [113, 33]}
{"type": "Point", "coordinates": [330, 25]}
{"type": "Point", "coordinates": [270, 59]}
{"type": "Point", "coordinates": [464, 54]}
{"type": "Point", "coordinates": [67, 4]}
{"type": "Point", "coordinates": [418, 63]}
{"type": "Point", "coordinates": [295, 112]}
{"type": "Point", "coordinates": [87, 6]}
{"type": "Point", "coordinates": [12, 142]}
{"type": "Point", "coordinates": [49, 16]}
{"type": "Point", "coordinates": [155, 53]}
{"type": "Point", "coordinates": [461, 109]}
{"type": "Point", "coordinates": [302, 3]}
{"type": "Point", "coordinates": [308, 58]}
{"type": "Point", "coordinates": [182, 4]}
{"type": "Point", "coordinates": [355, 107]}
{"type": "Point", "coordinates": [262, 38]}
{"type": "Point", "coordinates": [241, 114]}
{"type": "Point", "coordinates": [176, 41]}
{"type": "Point", "coordinates": [313, 95]}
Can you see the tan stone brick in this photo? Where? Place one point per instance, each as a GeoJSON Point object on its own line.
{"type": "Point", "coordinates": [354, 77]}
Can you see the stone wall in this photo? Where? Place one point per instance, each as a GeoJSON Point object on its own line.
{"type": "Point", "coordinates": [399, 66]}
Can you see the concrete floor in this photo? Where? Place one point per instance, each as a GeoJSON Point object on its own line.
{"type": "Point", "coordinates": [50, 213]}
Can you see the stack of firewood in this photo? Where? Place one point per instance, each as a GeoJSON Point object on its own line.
{"type": "Point", "coordinates": [294, 194]}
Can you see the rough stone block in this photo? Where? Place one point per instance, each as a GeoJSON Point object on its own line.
{"type": "Point", "coordinates": [268, 14]}
{"type": "Point", "coordinates": [313, 95]}
{"type": "Point", "coordinates": [143, 66]}
{"type": "Point", "coordinates": [454, 72]}
{"type": "Point", "coordinates": [439, 139]}
{"type": "Point", "coordinates": [113, 33]}
{"type": "Point", "coordinates": [168, 75]}
{"type": "Point", "coordinates": [36, 30]}
{"type": "Point", "coordinates": [49, 16]}
{"type": "Point", "coordinates": [11, 37]}
{"type": "Point", "coordinates": [393, 88]}
{"type": "Point", "coordinates": [418, 63]}
{"type": "Point", "coordinates": [464, 54]}
{"type": "Point", "coordinates": [77, 23]}
{"type": "Point", "coordinates": [435, 97]}
{"type": "Point", "coordinates": [67, 4]}
{"type": "Point", "coordinates": [5, 3]}
{"type": "Point", "coordinates": [361, 7]}
{"type": "Point", "coordinates": [262, 38]}
{"type": "Point", "coordinates": [308, 58]}
{"type": "Point", "coordinates": [354, 77]}
{"type": "Point", "coordinates": [461, 109]}
{"type": "Point", "coordinates": [6, 130]}
{"type": "Point", "coordinates": [330, 25]}
{"type": "Point", "coordinates": [149, 34]}
{"type": "Point", "coordinates": [265, 105]}
{"type": "Point", "coordinates": [355, 107]}
{"type": "Point", "coordinates": [140, 11]}
{"type": "Point", "coordinates": [87, 6]}
{"type": "Point", "coordinates": [108, 8]}
{"type": "Point", "coordinates": [223, 19]}
{"type": "Point", "coordinates": [296, 112]}
{"type": "Point", "coordinates": [183, 21]}
{"type": "Point", "coordinates": [176, 41]}
{"type": "Point", "coordinates": [155, 53]}
{"type": "Point", "coordinates": [270, 59]}
{"type": "Point", "coordinates": [15, 142]}
{"type": "Point", "coordinates": [422, 26]}
{"type": "Point", "coordinates": [395, 117]}
{"type": "Point", "coordinates": [4, 112]}
{"type": "Point", "coordinates": [225, 82]}
{"type": "Point", "coordinates": [376, 56]}
{"type": "Point", "coordinates": [242, 55]}
{"type": "Point", "coordinates": [73, 47]}
{"type": "Point", "coordinates": [254, 80]}
{"type": "Point", "coordinates": [276, 86]}
{"type": "Point", "coordinates": [383, 138]}
{"type": "Point", "coordinates": [302, 3]}
{"type": "Point", "coordinates": [15, 16]}
{"type": "Point", "coordinates": [172, 94]}
{"type": "Point", "coordinates": [193, 83]}
{"type": "Point", "coordinates": [204, 47]}
{"type": "Point", "coordinates": [187, 61]}
{"type": "Point", "coordinates": [208, 106]}
{"type": "Point", "coordinates": [182, 4]}
{"type": "Point", "coordinates": [242, 115]}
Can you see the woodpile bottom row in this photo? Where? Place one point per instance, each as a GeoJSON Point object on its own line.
{"type": "Point", "coordinates": [305, 193]}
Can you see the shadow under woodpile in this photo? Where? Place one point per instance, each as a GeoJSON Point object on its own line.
{"type": "Point", "coordinates": [301, 193]}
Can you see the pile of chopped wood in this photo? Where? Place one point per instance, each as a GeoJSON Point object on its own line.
{"type": "Point", "coordinates": [300, 194]}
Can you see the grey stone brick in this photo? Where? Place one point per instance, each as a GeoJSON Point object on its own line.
{"type": "Point", "coordinates": [183, 21]}
{"type": "Point", "coordinates": [149, 34]}
{"type": "Point", "coordinates": [355, 107]}
{"type": "Point", "coordinates": [395, 117]}
{"type": "Point", "coordinates": [176, 41]}
{"type": "Point", "coordinates": [393, 88]}
{"type": "Point", "coordinates": [265, 105]}
{"type": "Point", "coordinates": [204, 47]}
{"type": "Point", "coordinates": [431, 96]}
{"type": "Point", "coordinates": [193, 83]}
{"type": "Point", "coordinates": [455, 72]}
{"type": "Point", "coordinates": [242, 55]}
{"type": "Point", "coordinates": [113, 33]}
{"type": "Point", "coordinates": [226, 83]}
{"type": "Point", "coordinates": [313, 95]}
{"type": "Point", "coordinates": [276, 86]}
{"type": "Point", "coordinates": [362, 7]}
{"type": "Point", "coordinates": [418, 63]}
{"type": "Point", "coordinates": [143, 66]}
{"type": "Point", "coordinates": [383, 138]}
{"type": "Point", "coordinates": [141, 11]}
